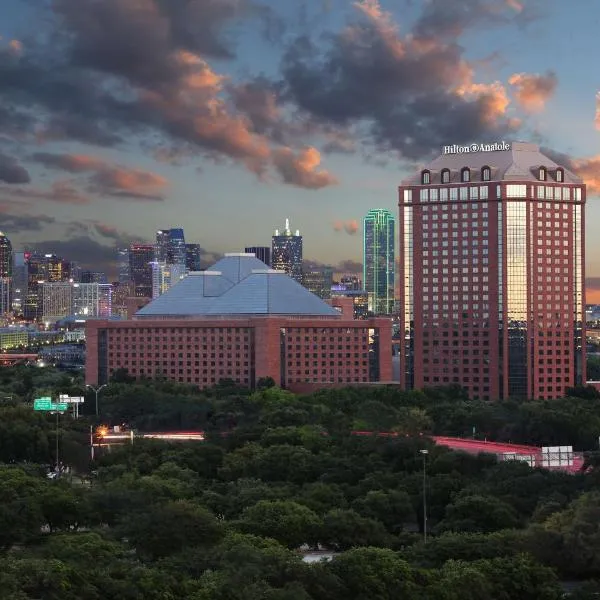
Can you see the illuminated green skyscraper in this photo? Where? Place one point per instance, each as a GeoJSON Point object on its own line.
{"type": "Point", "coordinates": [378, 260]}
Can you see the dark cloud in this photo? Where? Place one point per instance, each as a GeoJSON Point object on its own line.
{"type": "Point", "coordinates": [441, 18]}
{"type": "Point", "coordinates": [11, 171]}
{"type": "Point", "coordinates": [17, 223]}
{"type": "Point", "coordinates": [592, 283]}
{"type": "Point", "coordinates": [87, 252]}
{"type": "Point", "coordinates": [62, 192]}
{"type": "Point", "coordinates": [344, 266]}
{"type": "Point", "coordinates": [412, 94]}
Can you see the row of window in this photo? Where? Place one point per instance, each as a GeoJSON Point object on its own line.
{"type": "Point", "coordinates": [486, 174]}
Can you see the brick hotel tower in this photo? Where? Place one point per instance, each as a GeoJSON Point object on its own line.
{"type": "Point", "coordinates": [492, 272]}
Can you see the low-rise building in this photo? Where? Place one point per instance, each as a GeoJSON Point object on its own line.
{"type": "Point", "coordinates": [241, 320]}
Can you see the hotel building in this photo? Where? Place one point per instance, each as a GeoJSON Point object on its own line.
{"type": "Point", "coordinates": [241, 320]}
{"type": "Point", "coordinates": [492, 273]}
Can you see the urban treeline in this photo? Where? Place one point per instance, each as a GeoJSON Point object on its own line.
{"type": "Point", "coordinates": [225, 518]}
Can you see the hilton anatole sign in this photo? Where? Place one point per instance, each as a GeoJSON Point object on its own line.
{"type": "Point", "coordinates": [495, 147]}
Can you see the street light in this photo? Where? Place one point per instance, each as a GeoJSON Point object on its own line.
{"type": "Point", "coordinates": [97, 391]}
{"type": "Point", "coordinates": [424, 453]}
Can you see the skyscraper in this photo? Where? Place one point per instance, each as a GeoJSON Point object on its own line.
{"type": "Point", "coordinates": [140, 269]}
{"type": "Point", "coordinates": [124, 272]}
{"type": "Point", "coordinates": [379, 260]}
{"type": "Point", "coordinates": [286, 252]}
{"type": "Point", "coordinates": [261, 252]}
{"type": "Point", "coordinates": [6, 272]}
{"type": "Point", "coordinates": [42, 268]}
{"type": "Point", "coordinates": [318, 280]}
{"type": "Point", "coordinates": [19, 282]}
{"type": "Point", "coordinates": [492, 239]}
{"type": "Point", "coordinates": [170, 247]}
{"type": "Point", "coordinates": [193, 255]}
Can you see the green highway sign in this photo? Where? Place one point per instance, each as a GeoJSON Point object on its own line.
{"type": "Point", "coordinates": [42, 404]}
{"type": "Point", "coordinates": [46, 404]}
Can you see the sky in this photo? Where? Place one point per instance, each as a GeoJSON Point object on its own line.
{"type": "Point", "coordinates": [225, 117]}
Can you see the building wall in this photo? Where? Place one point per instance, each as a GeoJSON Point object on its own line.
{"type": "Point", "coordinates": [294, 352]}
{"type": "Point", "coordinates": [492, 288]}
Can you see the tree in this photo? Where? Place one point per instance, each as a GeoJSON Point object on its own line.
{"type": "Point", "coordinates": [392, 509]}
{"type": "Point", "coordinates": [478, 513]}
{"type": "Point", "coordinates": [373, 574]}
{"type": "Point", "coordinates": [287, 522]}
{"type": "Point", "coordinates": [343, 529]}
{"type": "Point", "coordinates": [21, 518]}
{"type": "Point", "coordinates": [171, 527]}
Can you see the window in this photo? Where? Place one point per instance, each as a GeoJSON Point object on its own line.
{"type": "Point", "coordinates": [559, 175]}
{"type": "Point", "coordinates": [542, 174]}
{"type": "Point", "coordinates": [425, 177]}
{"type": "Point", "coordinates": [445, 176]}
{"type": "Point", "coordinates": [465, 175]}
{"type": "Point", "coordinates": [486, 174]}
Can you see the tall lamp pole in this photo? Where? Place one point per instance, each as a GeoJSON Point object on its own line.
{"type": "Point", "coordinates": [424, 453]}
{"type": "Point", "coordinates": [97, 391]}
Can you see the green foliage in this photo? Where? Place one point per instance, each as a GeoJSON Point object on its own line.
{"type": "Point", "coordinates": [224, 519]}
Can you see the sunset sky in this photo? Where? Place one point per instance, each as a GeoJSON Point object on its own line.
{"type": "Point", "coordinates": [118, 117]}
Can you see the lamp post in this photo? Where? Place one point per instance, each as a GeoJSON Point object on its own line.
{"type": "Point", "coordinates": [424, 453]}
{"type": "Point", "coordinates": [97, 391]}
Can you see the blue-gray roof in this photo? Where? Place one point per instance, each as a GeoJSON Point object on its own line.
{"type": "Point", "coordinates": [237, 284]}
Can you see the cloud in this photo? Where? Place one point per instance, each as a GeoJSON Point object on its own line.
{"type": "Point", "coordinates": [349, 266]}
{"type": "Point", "coordinates": [586, 168]}
{"type": "Point", "coordinates": [350, 227]}
{"type": "Point", "coordinates": [15, 223]}
{"type": "Point", "coordinates": [441, 18]}
{"type": "Point", "coordinates": [62, 192]}
{"type": "Point", "coordinates": [11, 171]}
{"type": "Point", "coordinates": [302, 169]}
{"type": "Point", "coordinates": [89, 253]}
{"type": "Point", "coordinates": [108, 179]}
{"type": "Point", "coordinates": [132, 184]}
{"type": "Point", "coordinates": [597, 117]}
{"type": "Point", "coordinates": [532, 91]}
{"type": "Point", "coordinates": [409, 94]}
{"type": "Point", "coordinates": [73, 163]}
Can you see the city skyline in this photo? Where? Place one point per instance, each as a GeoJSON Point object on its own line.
{"type": "Point", "coordinates": [83, 171]}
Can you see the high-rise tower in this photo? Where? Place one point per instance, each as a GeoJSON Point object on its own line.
{"type": "Point", "coordinates": [286, 252]}
{"type": "Point", "coordinates": [378, 260]}
{"type": "Point", "coordinates": [140, 269]}
{"type": "Point", "coordinates": [6, 272]}
{"type": "Point", "coordinates": [492, 239]}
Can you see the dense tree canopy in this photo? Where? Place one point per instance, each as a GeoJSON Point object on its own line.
{"type": "Point", "coordinates": [227, 518]}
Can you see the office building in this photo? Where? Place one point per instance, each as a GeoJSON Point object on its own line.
{"type": "Point", "coordinates": [318, 280]}
{"type": "Point", "coordinates": [91, 277]}
{"type": "Point", "coordinates": [286, 252]}
{"type": "Point", "coordinates": [123, 266]}
{"type": "Point", "coordinates": [263, 253]}
{"type": "Point", "coordinates": [379, 266]}
{"type": "Point", "coordinates": [241, 320]}
{"type": "Point", "coordinates": [170, 247]}
{"type": "Point", "coordinates": [19, 282]}
{"type": "Point", "coordinates": [165, 275]}
{"type": "Point", "coordinates": [193, 256]}
{"type": "Point", "coordinates": [42, 268]}
{"type": "Point", "coordinates": [6, 273]}
{"type": "Point", "coordinates": [68, 298]}
{"type": "Point", "coordinates": [492, 241]}
{"type": "Point", "coordinates": [141, 257]}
